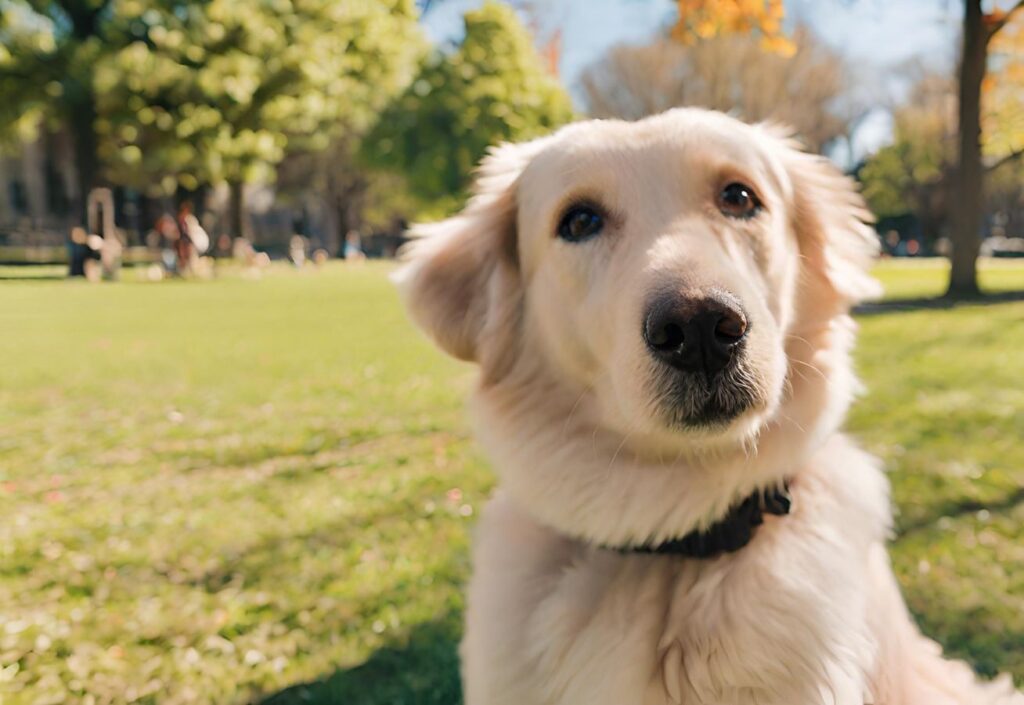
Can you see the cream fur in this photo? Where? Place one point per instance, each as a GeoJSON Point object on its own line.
{"type": "Point", "coordinates": [808, 612]}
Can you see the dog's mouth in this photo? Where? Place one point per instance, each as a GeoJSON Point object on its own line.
{"type": "Point", "coordinates": [688, 400]}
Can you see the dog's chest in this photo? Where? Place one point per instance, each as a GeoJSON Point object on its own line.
{"type": "Point", "coordinates": [593, 626]}
{"type": "Point", "coordinates": [697, 634]}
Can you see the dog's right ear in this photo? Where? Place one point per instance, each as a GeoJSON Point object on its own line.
{"type": "Point", "coordinates": [461, 281]}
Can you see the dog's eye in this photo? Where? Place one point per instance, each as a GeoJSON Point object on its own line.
{"type": "Point", "coordinates": [738, 201]}
{"type": "Point", "coordinates": [580, 223]}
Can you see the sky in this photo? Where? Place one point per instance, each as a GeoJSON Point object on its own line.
{"type": "Point", "coordinates": [875, 36]}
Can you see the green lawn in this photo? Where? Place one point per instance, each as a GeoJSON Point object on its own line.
{"type": "Point", "coordinates": [926, 277]}
{"type": "Point", "coordinates": [240, 490]}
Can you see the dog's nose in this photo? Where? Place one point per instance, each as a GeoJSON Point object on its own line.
{"type": "Point", "coordinates": [694, 333]}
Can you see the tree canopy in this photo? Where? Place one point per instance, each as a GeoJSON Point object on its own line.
{"type": "Point", "coordinates": [47, 56]}
{"type": "Point", "coordinates": [165, 95]}
{"type": "Point", "coordinates": [909, 175]}
{"type": "Point", "coordinates": [162, 93]}
{"type": "Point", "coordinates": [913, 175]}
{"type": "Point", "coordinates": [494, 87]}
{"type": "Point", "coordinates": [221, 91]}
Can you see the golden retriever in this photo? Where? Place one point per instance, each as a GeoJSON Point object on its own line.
{"type": "Point", "coordinates": [660, 312]}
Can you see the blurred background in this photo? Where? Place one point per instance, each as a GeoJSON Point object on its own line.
{"type": "Point", "coordinates": [343, 121]}
{"type": "Point", "coordinates": [230, 471]}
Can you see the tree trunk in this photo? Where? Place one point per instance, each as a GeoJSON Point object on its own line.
{"type": "Point", "coordinates": [236, 210]}
{"type": "Point", "coordinates": [348, 199]}
{"type": "Point", "coordinates": [83, 132]}
{"type": "Point", "coordinates": [967, 194]}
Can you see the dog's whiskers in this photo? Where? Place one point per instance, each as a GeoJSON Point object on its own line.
{"type": "Point", "coordinates": [629, 432]}
{"type": "Point", "coordinates": [568, 419]}
{"type": "Point", "coordinates": [808, 365]}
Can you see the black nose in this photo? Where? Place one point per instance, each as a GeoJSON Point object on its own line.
{"type": "Point", "coordinates": [694, 333]}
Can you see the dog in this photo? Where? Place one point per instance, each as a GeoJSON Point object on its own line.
{"type": "Point", "coordinates": [660, 311]}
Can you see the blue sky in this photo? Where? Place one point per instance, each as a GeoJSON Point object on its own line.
{"type": "Point", "coordinates": [875, 36]}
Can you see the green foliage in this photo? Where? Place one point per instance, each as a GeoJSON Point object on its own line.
{"type": "Point", "coordinates": [171, 91]}
{"type": "Point", "coordinates": [895, 176]}
{"type": "Point", "coordinates": [905, 176]}
{"type": "Point", "coordinates": [493, 88]}
{"type": "Point", "coordinates": [214, 503]}
{"type": "Point", "coordinates": [911, 175]}
{"type": "Point", "coordinates": [166, 93]}
{"type": "Point", "coordinates": [21, 41]}
{"type": "Point", "coordinates": [45, 51]}
{"type": "Point", "coordinates": [221, 91]}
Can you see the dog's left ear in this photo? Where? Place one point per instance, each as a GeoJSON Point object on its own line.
{"type": "Point", "coordinates": [461, 282]}
{"type": "Point", "coordinates": [833, 225]}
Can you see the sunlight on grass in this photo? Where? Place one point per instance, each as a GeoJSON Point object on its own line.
{"type": "Point", "coordinates": [917, 278]}
{"type": "Point", "coordinates": [213, 491]}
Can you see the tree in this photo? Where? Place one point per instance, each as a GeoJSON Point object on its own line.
{"type": "Point", "coordinates": [705, 18]}
{"type": "Point", "coordinates": [912, 174]}
{"type": "Point", "coordinates": [729, 73]}
{"type": "Point", "coordinates": [493, 88]}
{"type": "Point", "coordinates": [48, 51]}
{"type": "Point", "coordinates": [915, 173]}
{"type": "Point", "coordinates": [967, 208]}
{"type": "Point", "coordinates": [349, 187]}
{"type": "Point", "coordinates": [222, 91]}
{"type": "Point", "coordinates": [1002, 117]}
{"type": "Point", "coordinates": [165, 93]}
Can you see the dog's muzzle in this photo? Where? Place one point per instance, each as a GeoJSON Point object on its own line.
{"type": "Point", "coordinates": [697, 342]}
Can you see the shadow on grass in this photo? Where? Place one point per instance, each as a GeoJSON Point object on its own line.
{"type": "Point", "coordinates": [421, 670]}
{"type": "Point", "coordinates": [990, 652]}
{"type": "Point", "coordinates": [936, 303]}
{"type": "Point", "coordinates": [955, 509]}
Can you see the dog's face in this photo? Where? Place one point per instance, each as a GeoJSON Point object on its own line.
{"type": "Point", "coordinates": [653, 268]}
{"type": "Point", "coordinates": [660, 270]}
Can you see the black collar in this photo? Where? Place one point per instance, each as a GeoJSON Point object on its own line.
{"type": "Point", "coordinates": [730, 533]}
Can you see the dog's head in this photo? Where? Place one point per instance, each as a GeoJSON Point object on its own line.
{"type": "Point", "coordinates": [663, 274]}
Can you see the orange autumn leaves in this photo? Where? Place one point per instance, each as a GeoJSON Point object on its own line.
{"type": "Point", "coordinates": [1002, 94]}
{"type": "Point", "coordinates": [1003, 114]}
{"type": "Point", "coordinates": [703, 19]}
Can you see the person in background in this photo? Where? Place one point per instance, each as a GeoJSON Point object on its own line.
{"type": "Point", "coordinates": [168, 232]}
{"type": "Point", "coordinates": [297, 250]}
{"type": "Point", "coordinates": [353, 247]}
{"type": "Point", "coordinates": [183, 247]}
{"type": "Point", "coordinates": [79, 252]}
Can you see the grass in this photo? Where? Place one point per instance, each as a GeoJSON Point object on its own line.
{"type": "Point", "coordinates": [260, 491]}
{"type": "Point", "coordinates": [927, 277]}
